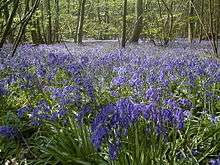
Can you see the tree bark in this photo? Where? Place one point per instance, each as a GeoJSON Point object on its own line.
{"type": "Point", "coordinates": [217, 20]}
{"type": "Point", "coordinates": [138, 22]}
{"type": "Point", "coordinates": [77, 21]}
{"type": "Point", "coordinates": [191, 22]}
{"type": "Point", "coordinates": [123, 42]}
{"type": "Point", "coordinates": [9, 23]}
{"type": "Point", "coordinates": [23, 26]}
{"type": "Point", "coordinates": [81, 22]}
{"type": "Point", "coordinates": [202, 20]}
{"type": "Point", "coordinates": [49, 28]}
{"type": "Point", "coordinates": [44, 36]}
{"type": "Point", "coordinates": [212, 28]}
{"type": "Point", "coordinates": [57, 19]}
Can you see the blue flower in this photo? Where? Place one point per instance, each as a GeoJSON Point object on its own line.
{"type": "Point", "coordinates": [84, 60]}
{"type": "Point", "coordinates": [149, 110]}
{"type": "Point", "coordinates": [74, 69]}
{"type": "Point", "coordinates": [171, 102]}
{"type": "Point", "coordinates": [135, 80]}
{"type": "Point", "coordinates": [185, 102]}
{"type": "Point", "coordinates": [120, 70]}
{"type": "Point", "coordinates": [98, 136]}
{"type": "Point", "coordinates": [195, 152]}
{"type": "Point", "coordinates": [41, 71]}
{"type": "Point", "coordinates": [62, 112]}
{"type": "Point", "coordinates": [179, 118]}
{"type": "Point", "coordinates": [54, 116]}
{"type": "Point", "coordinates": [52, 59]}
{"type": "Point", "coordinates": [35, 123]}
{"type": "Point", "coordinates": [153, 94]}
{"type": "Point", "coordinates": [114, 149]}
{"type": "Point", "coordinates": [119, 81]}
{"type": "Point", "coordinates": [3, 91]}
{"type": "Point", "coordinates": [125, 109]}
{"type": "Point", "coordinates": [215, 161]}
{"type": "Point", "coordinates": [8, 132]}
{"type": "Point", "coordinates": [167, 115]}
{"type": "Point", "coordinates": [103, 116]}
{"type": "Point", "coordinates": [35, 112]}
{"type": "Point", "coordinates": [87, 84]}
{"type": "Point", "coordinates": [214, 119]}
{"type": "Point", "coordinates": [85, 110]}
{"type": "Point", "coordinates": [22, 111]}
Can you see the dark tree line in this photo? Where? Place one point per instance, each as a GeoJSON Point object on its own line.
{"type": "Point", "coordinates": [52, 21]}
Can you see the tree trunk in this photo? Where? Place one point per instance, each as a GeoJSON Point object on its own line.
{"type": "Point", "coordinates": [23, 26]}
{"type": "Point", "coordinates": [138, 22]}
{"type": "Point", "coordinates": [168, 25]}
{"type": "Point", "coordinates": [44, 36]}
{"type": "Point", "coordinates": [77, 21]}
{"type": "Point", "coordinates": [81, 22]}
{"type": "Point", "coordinates": [212, 28]}
{"type": "Point", "coordinates": [191, 22]}
{"type": "Point", "coordinates": [57, 21]}
{"type": "Point", "coordinates": [217, 20]}
{"type": "Point", "coordinates": [9, 23]}
{"type": "Point", "coordinates": [49, 28]}
{"type": "Point", "coordinates": [39, 34]}
{"type": "Point", "coordinates": [202, 20]}
{"type": "Point", "coordinates": [32, 23]}
{"type": "Point", "coordinates": [123, 42]}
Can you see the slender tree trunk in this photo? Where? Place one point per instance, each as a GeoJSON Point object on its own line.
{"type": "Point", "coordinates": [42, 23]}
{"type": "Point", "coordinates": [23, 26]}
{"type": "Point", "coordinates": [49, 28]}
{"type": "Point", "coordinates": [123, 42]}
{"type": "Point", "coordinates": [77, 21]}
{"type": "Point", "coordinates": [168, 27]}
{"type": "Point", "coordinates": [9, 23]}
{"type": "Point", "coordinates": [81, 22]}
{"type": "Point", "coordinates": [171, 23]}
{"type": "Point", "coordinates": [217, 21]}
{"type": "Point", "coordinates": [39, 34]}
{"type": "Point", "coordinates": [6, 16]}
{"type": "Point", "coordinates": [33, 33]}
{"type": "Point", "coordinates": [2, 23]}
{"type": "Point", "coordinates": [57, 19]}
{"type": "Point", "coordinates": [33, 30]}
{"type": "Point", "coordinates": [202, 19]}
{"type": "Point", "coordinates": [138, 22]}
{"type": "Point", "coordinates": [6, 13]}
{"type": "Point", "coordinates": [212, 28]}
{"type": "Point", "coordinates": [27, 3]}
{"type": "Point", "coordinates": [191, 22]}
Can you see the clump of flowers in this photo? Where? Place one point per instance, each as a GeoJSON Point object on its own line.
{"type": "Point", "coordinates": [112, 93]}
{"type": "Point", "coordinates": [8, 131]}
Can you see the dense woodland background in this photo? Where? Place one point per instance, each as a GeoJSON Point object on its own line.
{"type": "Point", "coordinates": [52, 21]}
